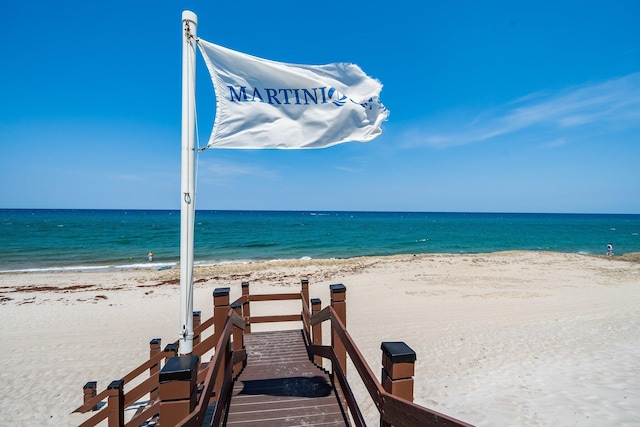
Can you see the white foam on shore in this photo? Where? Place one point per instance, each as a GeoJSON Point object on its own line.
{"type": "Point", "coordinates": [81, 268]}
{"type": "Point", "coordinates": [138, 266]}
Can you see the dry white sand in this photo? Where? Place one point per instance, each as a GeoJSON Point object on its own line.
{"type": "Point", "coordinates": [504, 339]}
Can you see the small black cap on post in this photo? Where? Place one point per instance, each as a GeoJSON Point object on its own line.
{"type": "Point", "coordinates": [221, 292]}
{"type": "Point", "coordinates": [338, 293]}
{"type": "Point", "coordinates": [220, 297]}
{"type": "Point", "coordinates": [116, 384]}
{"type": "Point", "coordinates": [338, 288]}
{"type": "Point", "coordinates": [180, 368]}
{"type": "Point", "coordinates": [398, 352]}
{"type": "Point", "coordinates": [172, 347]}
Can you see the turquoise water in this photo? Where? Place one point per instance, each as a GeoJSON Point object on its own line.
{"type": "Point", "coordinates": [37, 240]}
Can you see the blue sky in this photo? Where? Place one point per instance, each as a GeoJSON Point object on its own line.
{"type": "Point", "coordinates": [496, 106]}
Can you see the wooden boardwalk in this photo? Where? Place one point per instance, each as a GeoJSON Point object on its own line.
{"type": "Point", "coordinates": [280, 386]}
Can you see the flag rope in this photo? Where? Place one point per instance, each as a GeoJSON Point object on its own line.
{"type": "Point", "coordinates": [192, 106]}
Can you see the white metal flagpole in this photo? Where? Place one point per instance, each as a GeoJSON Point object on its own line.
{"type": "Point", "coordinates": [187, 181]}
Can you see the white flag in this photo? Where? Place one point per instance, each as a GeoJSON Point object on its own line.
{"type": "Point", "coordinates": [267, 104]}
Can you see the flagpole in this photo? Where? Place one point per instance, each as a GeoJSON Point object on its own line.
{"type": "Point", "coordinates": [187, 181]}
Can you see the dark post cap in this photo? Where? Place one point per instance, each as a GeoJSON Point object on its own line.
{"type": "Point", "coordinates": [171, 347]}
{"type": "Point", "coordinates": [179, 368]}
{"type": "Point", "coordinates": [116, 384]}
{"type": "Point", "coordinates": [398, 352]}
{"type": "Point", "coordinates": [197, 313]}
{"type": "Point", "coordinates": [304, 281]}
{"type": "Point", "coordinates": [155, 341]}
{"type": "Point", "coordinates": [315, 301]}
{"type": "Point", "coordinates": [245, 284]}
{"type": "Point", "coordinates": [236, 304]}
{"type": "Point", "coordinates": [221, 292]}
{"type": "Point", "coordinates": [338, 288]}
{"type": "Point", "coordinates": [91, 384]}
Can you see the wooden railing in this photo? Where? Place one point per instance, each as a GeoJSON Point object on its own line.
{"type": "Point", "coordinates": [186, 393]}
{"type": "Point", "coordinates": [117, 400]}
{"type": "Point", "coordinates": [394, 400]}
{"type": "Point", "coordinates": [214, 384]}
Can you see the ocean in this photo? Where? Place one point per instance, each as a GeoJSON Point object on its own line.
{"type": "Point", "coordinates": [33, 240]}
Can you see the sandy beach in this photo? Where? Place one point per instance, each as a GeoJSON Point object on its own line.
{"type": "Point", "coordinates": [502, 339]}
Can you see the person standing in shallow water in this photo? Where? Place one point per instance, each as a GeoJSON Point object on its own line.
{"type": "Point", "coordinates": [150, 256]}
{"type": "Point", "coordinates": [609, 249]}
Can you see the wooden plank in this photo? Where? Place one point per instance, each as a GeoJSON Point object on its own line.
{"type": "Point", "coordinates": [276, 318]}
{"type": "Point", "coordinates": [274, 297]}
{"type": "Point", "coordinates": [288, 416]}
{"type": "Point", "coordinates": [281, 386]}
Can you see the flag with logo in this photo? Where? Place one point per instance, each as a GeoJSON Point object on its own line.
{"type": "Point", "coordinates": [267, 104]}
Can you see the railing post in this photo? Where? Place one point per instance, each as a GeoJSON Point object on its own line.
{"type": "Point", "coordinates": [115, 404]}
{"type": "Point", "coordinates": [316, 331]}
{"type": "Point", "coordinates": [89, 392]}
{"type": "Point", "coordinates": [238, 339]}
{"type": "Point", "coordinates": [220, 311]}
{"type": "Point", "coordinates": [339, 304]}
{"type": "Point", "coordinates": [154, 349]}
{"type": "Point", "coordinates": [305, 291]}
{"type": "Point", "coordinates": [398, 367]}
{"type": "Point", "coordinates": [178, 388]}
{"type": "Point", "coordinates": [196, 322]}
{"type": "Point", "coordinates": [246, 307]}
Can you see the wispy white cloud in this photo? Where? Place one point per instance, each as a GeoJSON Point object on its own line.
{"type": "Point", "coordinates": [557, 142]}
{"type": "Point", "coordinates": [222, 170]}
{"type": "Point", "coordinates": [612, 104]}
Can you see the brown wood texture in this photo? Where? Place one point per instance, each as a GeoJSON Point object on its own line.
{"type": "Point", "coordinates": [280, 386]}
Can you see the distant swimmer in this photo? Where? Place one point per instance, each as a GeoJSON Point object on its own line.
{"type": "Point", "coordinates": [150, 256]}
{"type": "Point", "coordinates": [609, 249]}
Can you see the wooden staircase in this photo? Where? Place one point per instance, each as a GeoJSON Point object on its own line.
{"type": "Point", "coordinates": [263, 378]}
{"type": "Point", "coordinates": [281, 386]}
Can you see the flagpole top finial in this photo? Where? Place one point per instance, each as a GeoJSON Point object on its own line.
{"type": "Point", "coordinates": [188, 15]}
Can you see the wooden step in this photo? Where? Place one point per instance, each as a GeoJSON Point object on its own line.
{"type": "Point", "coordinates": [280, 386]}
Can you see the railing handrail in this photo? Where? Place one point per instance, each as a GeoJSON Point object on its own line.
{"type": "Point", "coordinates": [140, 369]}
{"type": "Point", "coordinates": [394, 409]}
{"type": "Point", "coordinates": [203, 347]}
{"type": "Point", "coordinates": [127, 379]}
{"type": "Point", "coordinates": [143, 416]}
{"type": "Point", "coordinates": [197, 415]}
{"type": "Point", "coordinates": [287, 296]}
{"type": "Point", "coordinates": [146, 386]}
{"type": "Point", "coordinates": [275, 297]}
